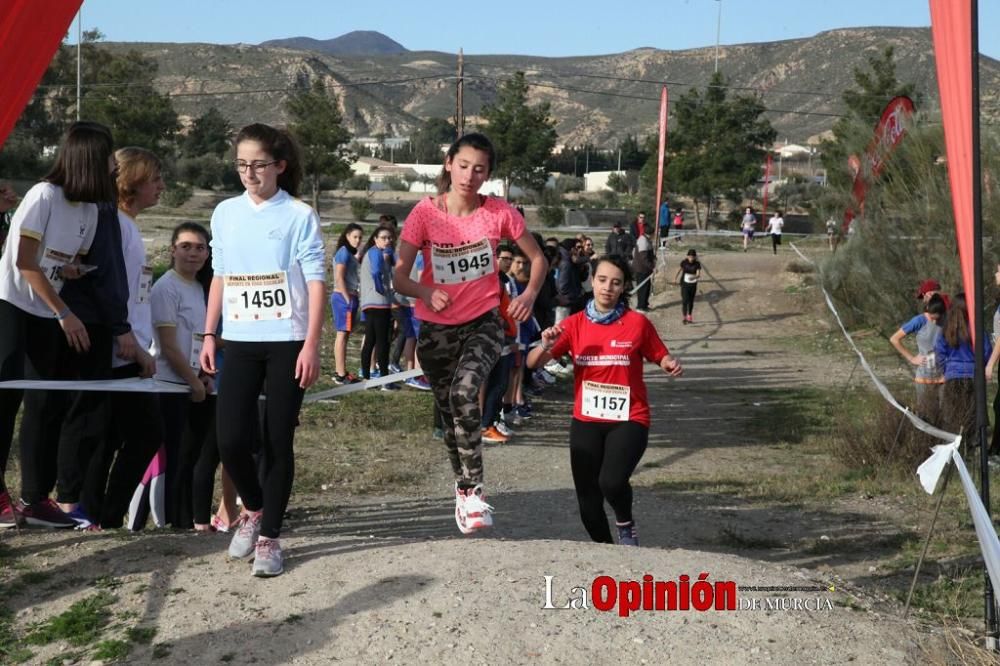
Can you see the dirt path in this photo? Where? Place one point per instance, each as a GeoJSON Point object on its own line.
{"type": "Point", "coordinates": [388, 577]}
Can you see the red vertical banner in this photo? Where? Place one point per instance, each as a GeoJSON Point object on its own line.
{"type": "Point", "coordinates": [30, 33]}
{"type": "Point", "coordinates": [659, 162]}
{"type": "Point", "coordinates": [767, 187]}
{"type": "Point", "coordinates": [951, 28]}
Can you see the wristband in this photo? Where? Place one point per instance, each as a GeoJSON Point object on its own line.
{"type": "Point", "coordinates": [207, 335]}
{"type": "Point", "coordinates": [62, 314]}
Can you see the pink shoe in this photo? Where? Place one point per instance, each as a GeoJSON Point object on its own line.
{"type": "Point", "coordinates": [220, 525]}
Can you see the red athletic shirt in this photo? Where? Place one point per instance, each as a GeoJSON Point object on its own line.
{"type": "Point", "coordinates": [610, 355]}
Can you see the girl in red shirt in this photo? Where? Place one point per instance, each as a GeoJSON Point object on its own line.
{"type": "Point", "coordinates": [610, 426]}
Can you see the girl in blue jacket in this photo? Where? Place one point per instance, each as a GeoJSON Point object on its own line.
{"type": "Point", "coordinates": [954, 353]}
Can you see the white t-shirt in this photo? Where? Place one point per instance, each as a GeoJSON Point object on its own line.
{"type": "Point", "coordinates": [139, 277]}
{"type": "Point", "coordinates": [63, 229]}
{"type": "Point", "coordinates": [179, 304]}
{"type": "Point", "coordinates": [775, 225]}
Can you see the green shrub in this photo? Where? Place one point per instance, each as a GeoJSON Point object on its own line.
{"type": "Point", "coordinates": [360, 207]}
{"type": "Point", "coordinates": [177, 194]}
{"type": "Point", "coordinates": [358, 182]}
{"type": "Point", "coordinates": [552, 216]}
{"type": "Point", "coordinates": [396, 184]}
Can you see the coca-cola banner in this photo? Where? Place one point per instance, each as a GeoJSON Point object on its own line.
{"type": "Point", "coordinates": [889, 132]}
{"type": "Point", "coordinates": [30, 33]}
{"type": "Point", "coordinates": [951, 27]}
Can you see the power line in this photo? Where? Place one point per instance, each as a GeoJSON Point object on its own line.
{"type": "Point", "coordinates": [658, 82]}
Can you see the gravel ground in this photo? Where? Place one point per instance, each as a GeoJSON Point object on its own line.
{"type": "Point", "coordinates": [388, 577]}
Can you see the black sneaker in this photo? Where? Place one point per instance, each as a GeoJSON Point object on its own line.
{"type": "Point", "coordinates": [45, 514]}
{"type": "Point", "coordinates": [344, 379]}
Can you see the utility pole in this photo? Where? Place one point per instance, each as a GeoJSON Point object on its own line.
{"type": "Point", "coordinates": [718, 32]}
{"type": "Point", "coordinates": [459, 103]}
{"type": "Point", "coordinates": [79, 58]}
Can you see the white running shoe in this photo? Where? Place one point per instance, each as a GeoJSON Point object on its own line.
{"type": "Point", "coordinates": [557, 368]}
{"type": "Point", "coordinates": [472, 513]}
{"type": "Point", "coordinates": [268, 560]}
{"type": "Point", "coordinates": [244, 540]}
{"type": "Point", "coordinates": [503, 429]}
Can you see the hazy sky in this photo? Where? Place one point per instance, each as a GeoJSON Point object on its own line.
{"type": "Point", "coordinates": [535, 27]}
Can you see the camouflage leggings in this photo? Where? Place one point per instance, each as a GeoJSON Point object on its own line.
{"type": "Point", "coordinates": [457, 361]}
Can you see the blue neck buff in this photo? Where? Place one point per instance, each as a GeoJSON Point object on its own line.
{"type": "Point", "coordinates": [604, 317]}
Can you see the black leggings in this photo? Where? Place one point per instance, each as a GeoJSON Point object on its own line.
{"type": "Point", "coordinates": [378, 330]}
{"type": "Point", "coordinates": [248, 364]}
{"type": "Point", "coordinates": [192, 447]}
{"type": "Point", "coordinates": [133, 435]}
{"type": "Point", "coordinates": [688, 291]}
{"type": "Point", "coordinates": [603, 456]}
{"type": "Point", "coordinates": [202, 441]}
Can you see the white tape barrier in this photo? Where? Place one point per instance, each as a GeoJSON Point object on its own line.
{"type": "Point", "coordinates": [156, 386]}
{"type": "Point", "coordinates": [930, 470]}
{"type": "Point", "coordinates": [362, 385]}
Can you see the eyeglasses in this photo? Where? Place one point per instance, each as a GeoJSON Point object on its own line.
{"type": "Point", "coordinates": [385, 238]}
{"type": "Point", "coordinates": [242, 167]}
{"type": "Point", "coordinates": [503, 257]}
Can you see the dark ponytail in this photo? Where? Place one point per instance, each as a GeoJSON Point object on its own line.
{"type": "Point", "coordinates": [280, 145]}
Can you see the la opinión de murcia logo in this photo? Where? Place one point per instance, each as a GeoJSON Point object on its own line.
{"type": "Point", "coordinates": [628, 596]}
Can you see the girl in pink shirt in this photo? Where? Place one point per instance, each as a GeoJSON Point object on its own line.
{"type": "Point", "coordinates": [458, 302]}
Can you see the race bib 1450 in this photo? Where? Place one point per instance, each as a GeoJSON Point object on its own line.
{"type": "Point", "coordinates": [257, 297]}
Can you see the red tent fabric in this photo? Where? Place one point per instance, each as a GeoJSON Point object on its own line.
{"type": "Point", "coordinates": [951, 27]}
{"type": "Point", "coordinates": [30, 33]}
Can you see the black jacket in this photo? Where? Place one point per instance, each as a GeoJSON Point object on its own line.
{"type": "Point", "coordinates": [101, 296]}
{"type": "Point", "coordinates": [620, 244]}
{"type": "Point", "coordinates": [568, 280]}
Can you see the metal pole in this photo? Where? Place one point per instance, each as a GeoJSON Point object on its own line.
{"type": "Point", "coordinates": [718, 31]}
{"type": "Point", "coordinates": [79, 58]}
{"type": "Point", "coordinates": [459, 101]}
{"type": "Point", "coordinates": [980, 332]}
{"type": "Point", "coordinates": [927, 541]}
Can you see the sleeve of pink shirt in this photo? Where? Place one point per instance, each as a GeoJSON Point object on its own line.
{"type": "Point", "coordinates": [513, 225]}
{"type": "Point", "coordinates": [413, 227]}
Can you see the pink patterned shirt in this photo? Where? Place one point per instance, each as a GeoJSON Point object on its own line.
{"type": "Point", "coordinates": [460, 255]}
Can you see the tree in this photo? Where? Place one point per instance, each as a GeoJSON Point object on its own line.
{"type": "Point", "coordinates": [126, 102]}
{"type": "Point", "coordinates": [633, 155]}
{"type": "Point", "coordinates": [716, 149]}
{"type": "Point", "coordinates": [117, 91]}
{"type": "Point", "coordinates": [425, 143]}
{"type": "Point", "coordinates": [876, 85]}
{"type": "Point", "coordinates": [318, 125]}
{"type": "Point", "coordinates": [523, 135]}
{"type": "Point", "coordinates": [210, 134]}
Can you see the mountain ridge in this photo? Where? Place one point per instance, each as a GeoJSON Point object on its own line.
{"type": "Point", "coordinates": [595, 99]}
{"type": "Point", "coordinates": [356, 42]}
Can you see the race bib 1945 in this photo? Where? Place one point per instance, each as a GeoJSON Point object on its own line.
{"type": "Point", "coordinates": [465, 263]}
